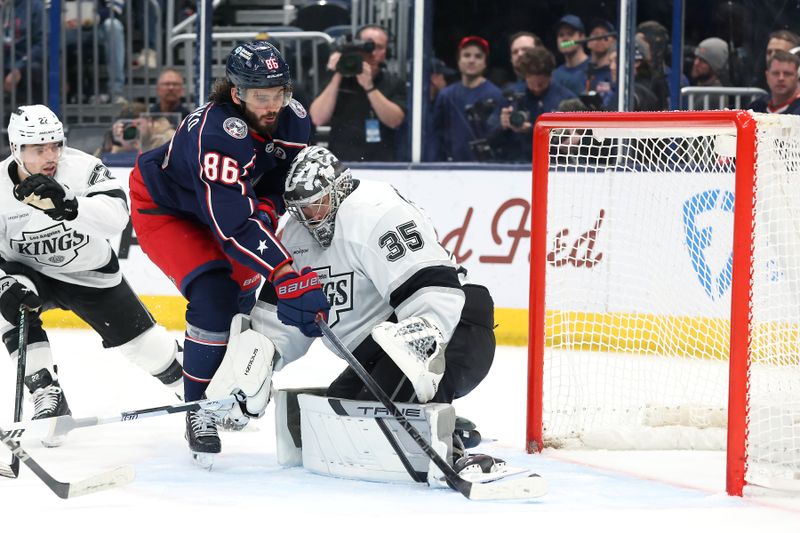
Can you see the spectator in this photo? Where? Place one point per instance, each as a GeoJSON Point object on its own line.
{"type": "Point", "coordinates": [657, 38]}
{"type": "Point", "coordinates": [461, 110]}
{"type": "Point", "coordinates": [778, 40]}
{"type": "Point", "coordinates": [518, 43]}
{"type": "Point", "coordinates": [363, 110]}
{"type": "Point", "coordinates": [441, 76]}
{"type": "Point", "coordinates": [137, 131]}
{"type": "Point", "coordinates": [644, 99]}
{"type": "Point", "coordinates": [152, 10]}
{"type": "Point", "coordinates": [710, 63]}
{"type": "Point", "coordinates": [111, 37]}
{"type": "Point", "coordinates": [537, 94]}
{"type": "Point", "coordinates": [599, 70]}
{"type": "Point", "coordinates": [170, 91]}
{"type": "Point", "coordinates": [572, 74]}
{"type": "Point", "coordinates": [784, 88]}
{"type": "Point", "coordinates": [16, 40]}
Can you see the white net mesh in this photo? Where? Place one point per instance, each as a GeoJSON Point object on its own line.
{"type": "Point", "coordinates": [637, 300]}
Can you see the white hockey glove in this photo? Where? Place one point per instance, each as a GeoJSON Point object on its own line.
{"type": "Point", "coordinates": [246, 369]}
{"type": "Point", "coordinates": [417, 348]}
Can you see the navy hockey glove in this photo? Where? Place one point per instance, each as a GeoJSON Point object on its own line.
{"type": "Point", "coordinates": [48, 195]}
{"type": "Point", "coordinates": [267, 212]}
{"type": "Point", "coordinates": [13, 294]}
{"type": "Point", "coordinates": [300, 298]}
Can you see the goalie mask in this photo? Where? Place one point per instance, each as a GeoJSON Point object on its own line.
{"type": "Point", "coordinates": [315, 187]}
{"type": "Point", "coordinates": [34, 124]}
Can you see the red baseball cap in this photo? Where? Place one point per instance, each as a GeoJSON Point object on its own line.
{"type": "Point", "coordinates": [474, 40]}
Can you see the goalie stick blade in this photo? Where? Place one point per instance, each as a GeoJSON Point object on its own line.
{"type": "Point", "coordinates": [522, 488]}
{"type": "Point", "coordinates": [106, 480]}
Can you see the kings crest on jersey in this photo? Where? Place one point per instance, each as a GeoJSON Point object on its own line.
{"type": "Point", "coordinates": [384, 260]}
{"type": "Point", "coordinates": [74, 251]}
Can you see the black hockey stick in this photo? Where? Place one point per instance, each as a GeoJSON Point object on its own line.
{"type": "Point", "coordinates": [104, 480]}
{"type": "Point", "coordinates": [61, 425]}
{"type": "Point", "coordinates": [502, 489]}
{"type": "Point", "coordinates": [12, 470]}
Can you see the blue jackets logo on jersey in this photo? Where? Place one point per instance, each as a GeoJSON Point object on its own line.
{"type": "Point", "coordinates": [235, 127]}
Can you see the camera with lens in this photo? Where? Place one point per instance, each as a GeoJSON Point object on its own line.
{"type": "Point", "coordinates": [518, 116]}
{"type": "Point", "coordinates": [480, 110]}
{"type": "Point", "coordinates": [130, 132]}
{"type": "Point", "coordinates": [352, 55]}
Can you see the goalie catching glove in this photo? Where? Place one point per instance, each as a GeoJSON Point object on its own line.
{"type": "Point", "coordinates": [417, 347]}
{"type": "Point", "coordinates": [245, 371]}
{"type": "Point", "coordinates": [48, 195]}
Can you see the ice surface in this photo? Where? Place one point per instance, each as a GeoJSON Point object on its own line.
{"type": "Point", "coordinates": [247, 490]}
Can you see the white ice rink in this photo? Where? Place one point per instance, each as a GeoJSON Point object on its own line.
{"type": "Point", "coordinates": [248, 492]}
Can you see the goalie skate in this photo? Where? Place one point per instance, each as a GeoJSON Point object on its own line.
{"type": "Point", "coordinates": [482, 468]}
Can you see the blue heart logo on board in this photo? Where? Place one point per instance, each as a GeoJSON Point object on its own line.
{"type": "Point", "coordinates": [700, 238]}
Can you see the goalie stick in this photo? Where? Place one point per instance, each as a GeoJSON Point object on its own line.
{"type": "Point", "coordinates": [12, 470]}
{"type": "Point", "coordinates": [528, 487]}
{"type": "Point", "coordinates": [61, 425]}
{"type": "Point", "coordinates": [102, 481]}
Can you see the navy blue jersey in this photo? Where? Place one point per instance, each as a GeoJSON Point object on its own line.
{"type": "Point", "coordinates": [214, 170]}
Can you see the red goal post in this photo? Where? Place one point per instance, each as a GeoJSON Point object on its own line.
{"type": "Point", "coordinates": [665, 185]}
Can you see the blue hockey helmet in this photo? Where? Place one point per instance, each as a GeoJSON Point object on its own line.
{"type": "Point", "coordinates": [257, 64]}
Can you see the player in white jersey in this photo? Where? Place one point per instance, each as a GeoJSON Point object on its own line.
{"type": "Point", "coordinates": [58, 208]}
{"type": "Point", "coordinates": [398, 300]}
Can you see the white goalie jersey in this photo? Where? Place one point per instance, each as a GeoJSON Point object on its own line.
{"type": "Point", "coordinates": [384, 260]}
{"type": "Point", "coordinates": [75, 251]}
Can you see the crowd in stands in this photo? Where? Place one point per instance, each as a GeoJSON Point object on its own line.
{"type": "Point", "coordinates": [362, 106]}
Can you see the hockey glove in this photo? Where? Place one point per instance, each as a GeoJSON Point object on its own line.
{"type": "Point", "coordinates": [13, 294]}
{"type": "Point", "coordinates": [300, 298]}
{"type": "Point", "coordinates": [417, 348]}
{"type": "Point", "coordinates": [48, 195]}
{"type": "Point", "coordinates": [267, 212]}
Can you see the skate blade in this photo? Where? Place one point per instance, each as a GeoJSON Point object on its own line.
{"type": "Point", "coordinates": [203, 460]}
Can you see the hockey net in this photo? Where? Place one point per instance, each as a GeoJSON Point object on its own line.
{"type": "Point", "coordinates": [665, 287]}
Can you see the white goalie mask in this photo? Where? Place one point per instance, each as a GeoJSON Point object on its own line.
{"type": "Point", "coordinates": [33, 124]}
{"type": "Point", "coordinates": [315, 187]}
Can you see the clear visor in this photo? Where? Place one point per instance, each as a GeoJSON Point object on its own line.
{"type": "Point", "coordinates": [271, 96]}
{"type": "Point", "coordinates": [39, 156]}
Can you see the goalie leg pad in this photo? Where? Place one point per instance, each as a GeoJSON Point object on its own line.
{"type": "Point", "coordinates": [347, 438]}
{"type": "Point", "coordinates": [246, 369]}
{"type": "Point", "coordinates": [417, 348]}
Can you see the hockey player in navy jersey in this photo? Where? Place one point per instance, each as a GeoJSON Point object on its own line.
{"type": "Point", "coordinates": [58, 208]}
{"type": "Point", "coordinates": [205, 210]}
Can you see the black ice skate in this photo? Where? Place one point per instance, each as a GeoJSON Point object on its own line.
{"type": "Point", "coordinates": [48, 401]}
{"type": "Point", "coordinates": [467, 431]}
{"type": "Point", "coordinates": [201, 432]}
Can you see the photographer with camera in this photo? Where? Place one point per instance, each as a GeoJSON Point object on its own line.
{"type": "Point", "coordinates": [535, 94]}
{"type": "Point", "coordinates": [363, 102]}
{"type": "Point", "coordinates": [461, 110]}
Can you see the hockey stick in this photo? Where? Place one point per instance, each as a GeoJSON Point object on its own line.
{"type": "Point", "coordinates": [504, 489]}
{"type": "Point", "coordinates": [12, 470]}
{"type": "Point", "coordinates": [105, 480]}
{"type": "Point", "coordinates": [61, 425]}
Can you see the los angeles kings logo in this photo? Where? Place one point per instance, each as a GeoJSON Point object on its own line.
{"type": "Point", "coordinates": [53, 246]}
{"type": "Point", "coordinates": [338, 289]}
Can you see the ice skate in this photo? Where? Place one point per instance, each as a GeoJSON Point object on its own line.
{"type": "Point", "coordinates": [48, 401]}
{"type": "Point", "coordinates": [201, 433]}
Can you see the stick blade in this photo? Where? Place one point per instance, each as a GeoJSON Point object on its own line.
{"type": "Point", "coordinates": [519, 488]}
{"type": "Point", "coordinates": [10, 471]}
{"type": "Point", "coordinates": [107, 480]}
